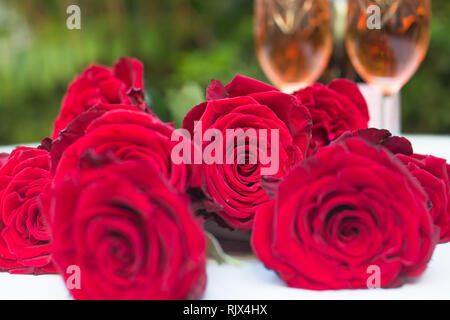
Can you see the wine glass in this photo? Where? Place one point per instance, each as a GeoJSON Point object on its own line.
{"type": "Point", "coordinates": [387, 41]}
{"type": "Point", "coordinates": [293, 40]}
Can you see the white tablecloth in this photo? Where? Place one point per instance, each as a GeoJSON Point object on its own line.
{"type": "Point", "coordinates": [251, 280]}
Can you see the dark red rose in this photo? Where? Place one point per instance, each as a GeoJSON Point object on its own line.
{"type": "Point", "coordinates": [24, 241]}
{"type": "Point", "coordinates": [432, 173]}
{"type": "Point", "coordinates": [126, 134]}
{"type": "Point", "coordinates": [3, 158]}
{"type": "Point", "coordinates": [335, 109]}
{"type": "Point", "coordinates": [382, 137]}
{"type": "Point", "coordinates": [233, 190]}
{"type": "Point", "coordinates": [127, 231]}
{"type": "Point", "coordinates": [99, 84]}
{"type": "Point", "coordinates": [351, 207]}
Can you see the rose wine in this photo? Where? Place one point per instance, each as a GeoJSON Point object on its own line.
{"type": "Point", "coordinates": [293, 40]}
{"type": "Point", "coordinates": [389, 56]}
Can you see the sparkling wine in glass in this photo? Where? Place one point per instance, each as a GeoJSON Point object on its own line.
{"type": "Point", "coordinates": [293, 40]}
{"type": "Point", "coordinates": [387, 41]}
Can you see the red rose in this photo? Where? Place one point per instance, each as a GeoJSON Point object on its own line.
{"type": "Point", "coordinates": [349, 208]}
{"type": "Point", "coordinates": [130, 235]}
{"type": "Point", "coordinates": [76, 129]}
{"type": "Point", "coordinates": [24, 237]}
{"type": "Point", "coordinates": [335, 109]}
{"type": "Point", "coordinates": [433, 173]}
{"type": "Point", "coordinates": [100, 84]}
{"type": "Point", "coordinates": [233, 190]}
{"type": "Point", "coordinates": [126, 134]}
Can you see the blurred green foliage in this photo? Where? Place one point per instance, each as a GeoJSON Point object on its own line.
{"type": "Point", "coordinates": [183, 44]}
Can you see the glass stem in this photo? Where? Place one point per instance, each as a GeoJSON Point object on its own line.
{"type": "Point", "coordinates": [390, 113]}
{"type": "Point", "coordinates": [383, 106]}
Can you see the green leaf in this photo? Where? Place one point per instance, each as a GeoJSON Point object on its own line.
{"type": "Point", "coordinates": [216, 253]}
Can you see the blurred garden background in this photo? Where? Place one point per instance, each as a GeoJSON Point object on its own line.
{"type": "Point", "coordinates": [183, 44]}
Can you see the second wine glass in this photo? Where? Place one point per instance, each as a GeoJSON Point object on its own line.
{"type": "Point", "coordinates": [386, 42]}
{"type": "Point", "coordinates": [293, 40]}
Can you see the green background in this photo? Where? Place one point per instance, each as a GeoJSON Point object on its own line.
{"type": "Point", "coordinates": [183, 44]}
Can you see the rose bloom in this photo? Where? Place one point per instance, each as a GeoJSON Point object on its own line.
{"type": "Point", "coordinates": [24, 241]}
{"type": "Point", "coordinates": [432, 173]}
{"type": "Point", "coordinates": [335, 109]}
{"type": "Point", "coordinates": [349, 208]}
{"type": "Point", "coordinates": [126, 230]}
{"type": "Point", "coordinates": [76, 129]}
{"type": "Point", "coordinates": [233, 191]}
{"type": "Point", "coordinates": [99, 84]}
{"type": "Point", "coordinates": [126, 134]}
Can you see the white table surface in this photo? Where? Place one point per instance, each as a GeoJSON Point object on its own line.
{"type": "Point", "coordinates": [251, 280]}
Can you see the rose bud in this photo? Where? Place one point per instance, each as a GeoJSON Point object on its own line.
{"type": "Point", "coordinates": [120, 231]}
{"type": "Point", "coordinates": [264, 121]}
{"type": "Point", "coordinates": [24, 241]}
{"type": "Point", "coordinates": [99, 84]}
{"type": "Point", "coordinates": [335, 109]}
{"type": "Point", "coordinates": [347, 213]}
